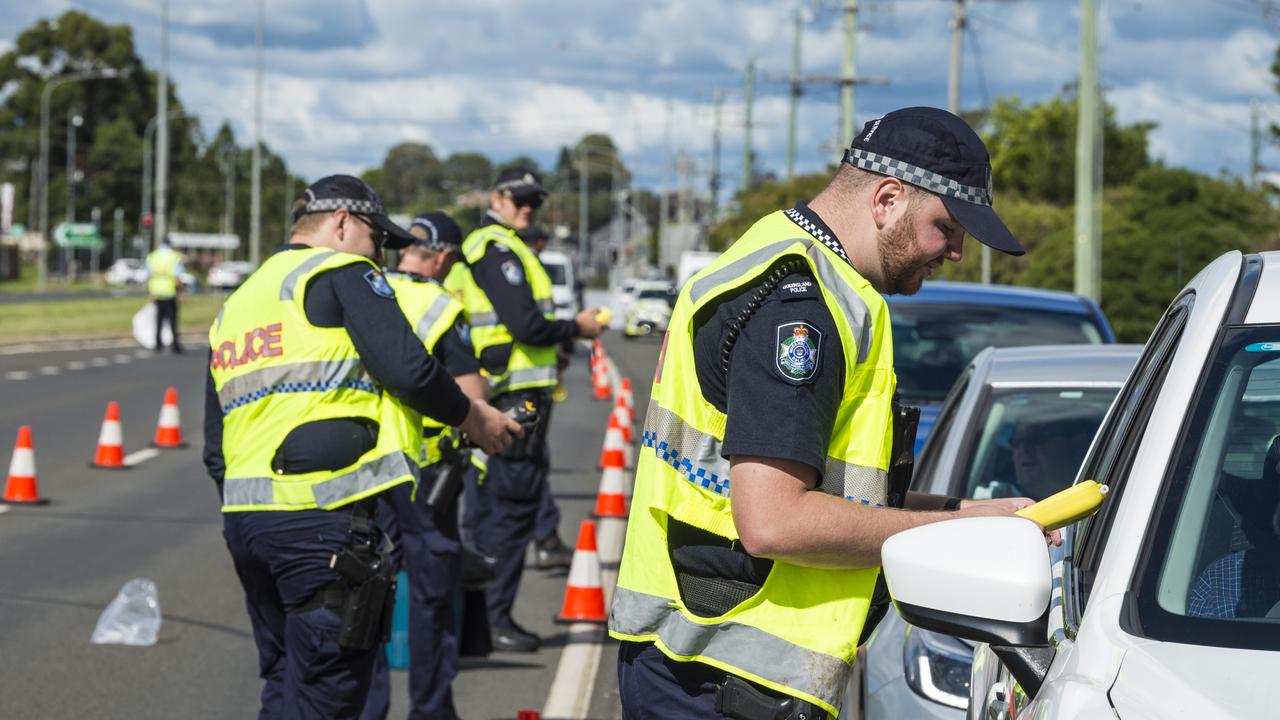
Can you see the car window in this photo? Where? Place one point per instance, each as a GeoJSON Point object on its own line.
{"type": "Point", "coordinates": [1211, 573]}
{"type": "Point", "coordinates": [556, 272]}
{"type": "Point", "coordinates": [1111, 455]}
{"type": "Point", "coordinates": [932, 342]}
{"type": "Point", "coordinates": [933, 443]}
{"type": "Point", "coordinates": [1031, 440]}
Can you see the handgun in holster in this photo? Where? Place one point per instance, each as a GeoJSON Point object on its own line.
{"type": "Point", "coordinates": [902, 461]}
{"type": "Point", "coordinates": [738, 699]}
{"type": "Point", "coordinates": [370, 591]}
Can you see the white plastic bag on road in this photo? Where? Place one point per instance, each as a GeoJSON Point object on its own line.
{"type": "Point", "coordinates": [132, 618]}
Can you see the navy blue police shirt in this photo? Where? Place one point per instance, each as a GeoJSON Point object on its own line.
{"type": "Point", "coordinates": [500, 274]}
{"type": "Point", "coordinates": [393, 355]}
{"type": "Point", "coordinates": [785, 374]}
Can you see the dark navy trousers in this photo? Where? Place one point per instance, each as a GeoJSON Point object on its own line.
{"type": "Point", "coordinates": [652, 686]}
{"type": "Point", "coordinates": [431, 558]}
{"type": "Point", "coordinates": [513, 491]}
{"type": "Point", "coordinates": [282, 559]}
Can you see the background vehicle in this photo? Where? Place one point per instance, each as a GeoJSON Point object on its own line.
{"type": "Point", "coordinates": [691, 263]}
{"type": "Point", "coordinates": [651, 310]}
{"type": "Point", "coordinates": [228, 275]}
{"type": "Point", "coordinates": [937, 331]}
{"type": "Point", "coordinates": [1017, 422]}
{"type": "Point", "coordinates": [560, 269]}
{"type": "Point", "coordinates": [133, 271]}
{"type": "Point", "coordinates": [1163, 604]}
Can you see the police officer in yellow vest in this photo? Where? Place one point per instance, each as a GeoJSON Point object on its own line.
{"type": "Point", "coordinates": [426, 531]}
{"type": "Point", "coordinates": [509, 306]}
{"type": "Point", "coordinates": [761, 491]}
{"type": "Point", "coordinates": [164, 266]}
{"type": "Point", "coordinates": [315, 400]}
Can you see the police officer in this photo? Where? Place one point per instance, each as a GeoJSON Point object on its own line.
{"type": "Point", "coordinates": [776, 383]}
{"type": "Point", "coordinates": [509, 306]}
{"type": "Point", "coordinates": [316, 382]}
{"type": "Point", "coordinates": [428, 534]}
{"type": "Point", "coordinates": [164, 266]}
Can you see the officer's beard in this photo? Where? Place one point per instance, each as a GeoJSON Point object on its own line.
{"type": "Point", "coordinates": [900, 266]}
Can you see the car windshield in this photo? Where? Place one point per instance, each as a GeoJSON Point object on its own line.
{"type": "Point", "coordinates": [1213, 574]}
{"type": "Point", "coordinates": [932, 342]}
{"type": "Point", "coordinates": [556, 272]}
{"type": "Point", "coordinates": [653, 294]}
{"type": "Point", "coordinates": [1030, 441]}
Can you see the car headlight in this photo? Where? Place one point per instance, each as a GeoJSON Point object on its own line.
{"type": "Point", "coordinates": [937, 667]}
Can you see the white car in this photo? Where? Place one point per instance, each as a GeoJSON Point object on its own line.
{"type": "Point", "coordinates": [229, 275]}
{"type": "Point", "coordinates": [560, 269]}
{"type": "Point", "coordinates": [1166, 603]}
{"type": "Point", "coordinates": [1017, 422]}
{"type": "Point", "coordinates": [650, 312]}
{"type": "Point", "coordinates": [126, 271]}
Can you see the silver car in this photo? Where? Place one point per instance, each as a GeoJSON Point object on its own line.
{"type": "Point", "coordinates": [1016, 423]}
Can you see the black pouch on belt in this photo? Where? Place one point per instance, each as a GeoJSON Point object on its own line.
{"type": "Point", "coordinates": [740, 700]}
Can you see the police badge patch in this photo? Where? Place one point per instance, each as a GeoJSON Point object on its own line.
{"type": "Point", "coordinates": [378, 283]}
{"type": "Point", "coordinates": [799, 344]}
{"type": "Point", "coordinates": [513, 272]}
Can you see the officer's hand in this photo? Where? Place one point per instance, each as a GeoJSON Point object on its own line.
{"type": "Point", "coordinates": [588, 325]}
{"type": "Point", "coordinates": [1003, 506]}
{"type": "Point", "coordinates": [489, 430]}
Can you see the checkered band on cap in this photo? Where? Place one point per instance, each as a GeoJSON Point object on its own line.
{"type": "Point", "coordinates": [366, 207]}
{"type": "Point", "coordinates": [918, 176]}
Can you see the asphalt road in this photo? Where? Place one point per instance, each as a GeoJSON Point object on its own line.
{"type": "Point", "coordinates": [61, 564]}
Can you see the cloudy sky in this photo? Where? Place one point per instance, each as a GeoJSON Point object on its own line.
{"type": "Point", "coordinates": [347, 79]}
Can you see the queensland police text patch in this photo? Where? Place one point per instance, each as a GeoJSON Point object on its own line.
{"type": "Point", "coordinates": [798, 351]}
{"type": "Point", "coordinates": [378, 283]}
{"type": "Point", "coordinates": [799, 290]}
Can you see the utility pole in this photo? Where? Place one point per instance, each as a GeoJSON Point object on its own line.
{"type": "Point", "coordinates": [1255, 143]}
{"type": "Point", "coordinates": [663, 200]}
{"type": "Point", "coordinates": [255, 198]}
{"type": "Point", "coordinates": [1088, 246]}
{"type": "Point", "coordinates": [795, 93]}
{"type": "Point", "coordinates": [959, 21]}
{"type": "Point", "coordinates": [715, 158]}
{"type": "Point", "coordinates": [583, 259]}
{"type": "Point", "coordinates": [746, 143]}
{"type": "Point", "coordinates": [850, 71]}
{"type": "Point", "coordinates": [162, 130]}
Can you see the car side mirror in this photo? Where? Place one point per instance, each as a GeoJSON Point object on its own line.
{"type": "Point", "coordinates": [985, 579]}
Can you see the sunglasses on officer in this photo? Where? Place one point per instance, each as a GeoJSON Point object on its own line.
{"type": "Point", "coordinates": [530, 201]}
{"type": "Point", "coordinates": [379, 235]}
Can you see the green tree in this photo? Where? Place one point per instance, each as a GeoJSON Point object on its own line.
{"type": "Point", "coordinates": [1033, 149]}
{"type": "Point", "coordinates": [412, 178]}
{"type": "Point", "coordinates": [466, 171]}
{"type": "Point", "coordinates": [761, 200]}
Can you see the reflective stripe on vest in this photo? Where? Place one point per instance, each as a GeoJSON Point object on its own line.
{"type": "Point", "coordinates": [756, 652]}
{"type": "Point", "coordinates": [517, 379]}
{"type": "Point", "coordinates": [438, 306]}
{"type": "Point", "coordinates": [260, 490]}
{"type": "Point", "coordinates": [296, 377]}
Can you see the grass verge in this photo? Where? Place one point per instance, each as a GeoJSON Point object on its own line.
{"type": "Point", "coordinates": [102, 317]}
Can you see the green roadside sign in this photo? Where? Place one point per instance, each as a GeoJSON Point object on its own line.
{"type": "Point", "coordinates": [77, 235]}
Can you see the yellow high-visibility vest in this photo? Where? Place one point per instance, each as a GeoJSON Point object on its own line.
{"type": "Point", "coordinates": [162, 266]}
{"type": "Point", "coordinates": [798, 633]}
{"type": "Point", "coordinates": [274, 371]}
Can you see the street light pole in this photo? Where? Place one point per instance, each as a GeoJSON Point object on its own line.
{"type": "Point", "coordinates": [69, 253]}
{"type": "Point", "coordinates": [255, 197]}
{"type": "Point", "coordinates": [162, 137]}
{"type": "Point", "coordinates": [147, 167]}
{"type": "Point", "coordinates": [49, 86]}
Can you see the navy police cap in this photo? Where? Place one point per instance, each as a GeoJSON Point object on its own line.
{"type": "Point", "coordinates": [345, 192]}
{"type": "Point", "coordinates": [936, 150]}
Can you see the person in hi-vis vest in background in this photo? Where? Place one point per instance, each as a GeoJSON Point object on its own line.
{"type": "Point", "coordinates": [164, 268]}
{"type": "Point", "coordinates": [766, 481]}
{"type": "Point", "coordinates": [314, 406]}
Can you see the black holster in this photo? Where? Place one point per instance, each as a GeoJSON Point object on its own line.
{"type": "Point", "coordinates": [902, 461]}
{"type": "Point", "coordinates": [740, 700]}
{"type": "Point", "coordinates": [369, 580]}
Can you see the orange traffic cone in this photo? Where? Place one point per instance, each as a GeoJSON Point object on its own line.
{"type": "Point", "coordinates": [611, 501]}
{"type": "Point", "coordinates": [584, 597]}
{"type": "Point", "coordinates": [622, 417]}
{"type": "Point", "coordinates": [614, 452]}
{"type": "Point", "coordinates": [528, 714]}
{"type": "Point", "coordinates": [629, 397]}
{"type": "Point", "coordinates": [21, 487]}
{"type": "Point", "coordinates": [110, 454]}
{"type": "Point", "coordinates": [600, 378]}
{"type": "Point", "coordinates": [169, 426]}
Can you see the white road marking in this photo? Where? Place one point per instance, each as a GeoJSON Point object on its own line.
{"type": "Point", "coordinates": [142, 354]}
{"type": "Point", "coordinates": [575, 679]}
{"type": "Point", "coordinates": [140, 456]}
{"type": "Point", "coordinates": [122, 359]}
{"type": "Point", "coordinates": [17, 375]}
{"type": "Point", "coordinates": [99, 362]}
{"type": "Point", "coordinates": [50, 370]}
{"type": "Point", "coordinates": [4, 509]}
{"type": "Point", "coordinates": [77, 365]}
